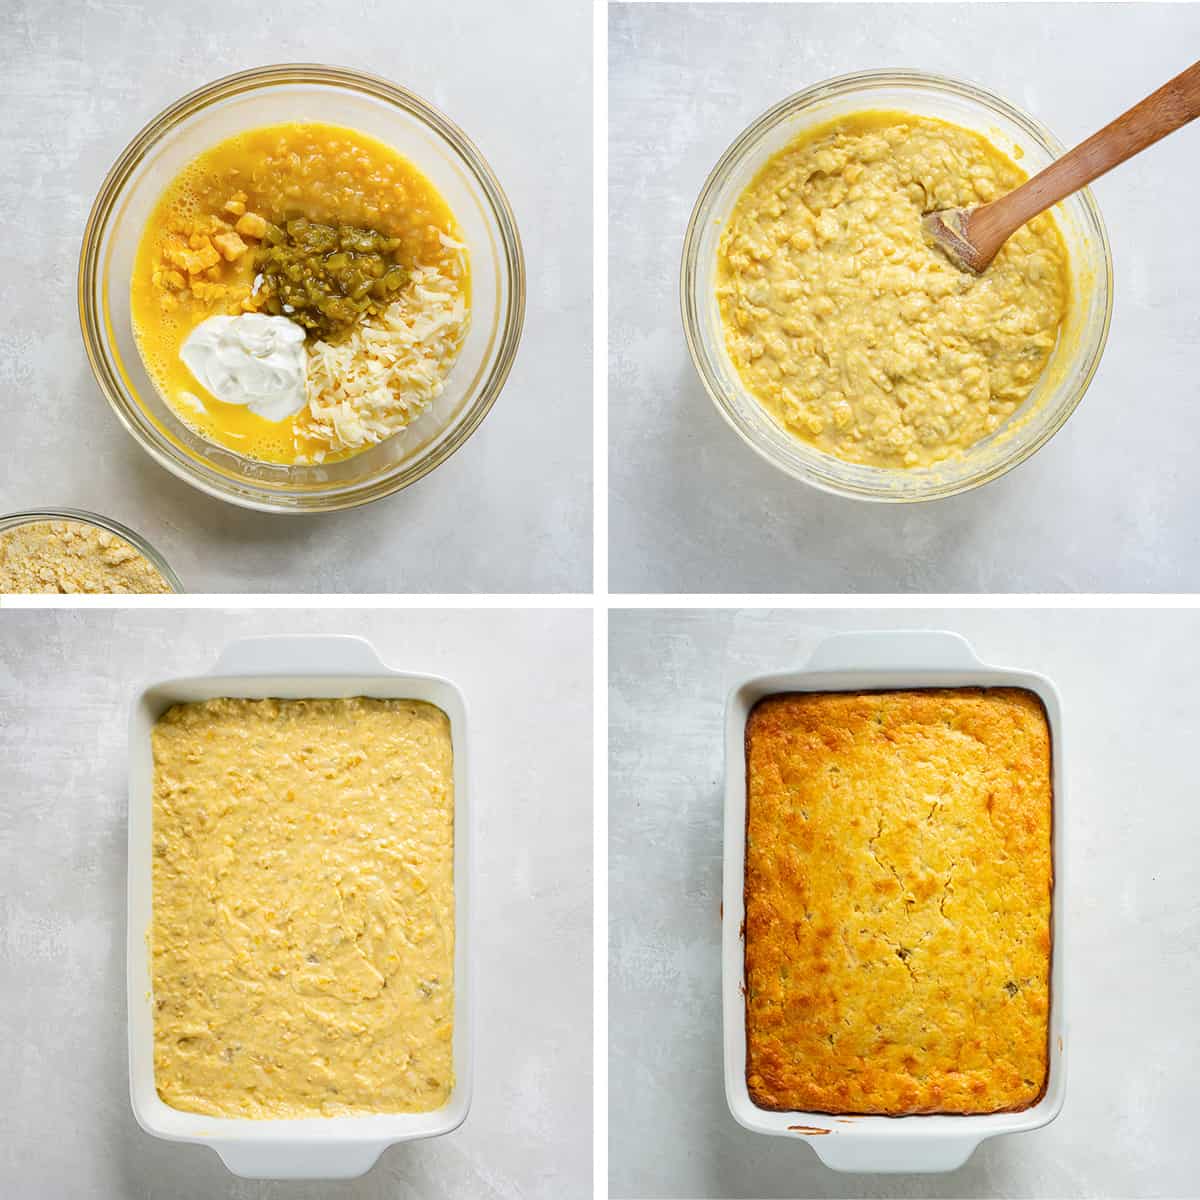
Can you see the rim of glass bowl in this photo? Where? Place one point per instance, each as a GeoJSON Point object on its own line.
{"type": "Point", "coordinates": [83, 517]}
{"type": "Point", "coordinates": [92, 323]}
{"type": "Point", "coordinates": [812, 473]}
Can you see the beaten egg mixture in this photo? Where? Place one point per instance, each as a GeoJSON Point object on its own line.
{"type": "Point", "coordinates": [201, 255]}
{"type": "Point", "coordinates": [851, 331]}
{"type": "Point", "coordinates": [303, 933]}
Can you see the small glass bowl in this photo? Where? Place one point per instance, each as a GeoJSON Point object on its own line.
{"type": "Point", "coordinates": [82, 517]}
{"type": "Point", "coordinates": [271, 95]}
{"type": "Point", "coordinates": [1081, 340]}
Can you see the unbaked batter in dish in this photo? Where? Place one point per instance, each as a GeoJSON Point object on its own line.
{"type": "Point", "coordinates": [303, 932]}
{"type": "Point", "coordinates": [856, 335]}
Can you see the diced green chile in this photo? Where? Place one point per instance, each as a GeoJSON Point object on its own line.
{"type": "Point", "coordinates": [327, 278]}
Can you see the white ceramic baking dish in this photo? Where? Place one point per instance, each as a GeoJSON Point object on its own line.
{"type": "Point", "coordinates": [313, 1148]}
{"type": "Point", "coordinates": [867, 662]}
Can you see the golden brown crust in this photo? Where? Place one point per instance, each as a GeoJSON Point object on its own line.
{"type": "Point", "coordinates": [898, 887]}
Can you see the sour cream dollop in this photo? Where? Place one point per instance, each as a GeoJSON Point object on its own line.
{"type": "Point", "coordinates": [251, 359]}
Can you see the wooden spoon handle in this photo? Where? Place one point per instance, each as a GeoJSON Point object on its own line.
{"type": "Point", "coordinates": [1173, 105]}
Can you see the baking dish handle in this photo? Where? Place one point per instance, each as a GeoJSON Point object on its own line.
{"type": "Point", "coordinates": [300, 1159]}
{"type": "Point", "coordinates": [338, 654]}
{"type": "Point", "coordinates": [894, 1155]}
{"type": "Point", "coordinates": [893, 649]}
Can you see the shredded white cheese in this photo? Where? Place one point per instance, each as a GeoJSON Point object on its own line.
{"type": "Point", "coordinates": [390, 367]}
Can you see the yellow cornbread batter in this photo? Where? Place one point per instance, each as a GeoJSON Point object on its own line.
{"type": "Point", "coordinates": [856, 335]}
{"type": "Point", "coordinates": [303, 932]}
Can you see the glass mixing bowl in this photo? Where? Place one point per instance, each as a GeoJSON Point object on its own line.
{"type": "Point", "coordinates": [276, 94]}
{"type": "Point", "coordinates": [80, 517]}
{"type": "Point", "coordinates": [1081, 340]}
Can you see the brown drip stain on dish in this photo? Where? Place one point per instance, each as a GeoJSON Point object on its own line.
{"type": "Point", "coordinates": [1060, 1050]}
{"type": "Point", "coordinates": [813, 1129]}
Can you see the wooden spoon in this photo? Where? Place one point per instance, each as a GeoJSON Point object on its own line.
{"type": "Point", "coordinates": [971, 237]}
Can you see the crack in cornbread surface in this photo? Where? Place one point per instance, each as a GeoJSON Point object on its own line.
{"type": "Point", "coordinates": [303, 932]}
{"type": "Point", "coordinates": [73, 557]}
{"type": "Point", "coordinates": [897, 890]}
{"type": "Point", "coordinates": [854, 333]}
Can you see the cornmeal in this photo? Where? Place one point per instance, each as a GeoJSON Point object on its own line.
{"type": "Point", "coordinates": [70, 557]}
{"type": "Point", "coordinates": [856, 335]}
{"type": "Point", "coordinates": [898, 893]}
{"type": "Point", "coordinates": [303, 934]}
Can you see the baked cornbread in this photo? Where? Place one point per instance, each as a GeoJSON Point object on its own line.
{"type": "Point", "coordinates": [898, 891]}
{"type": "Point", "coordinates": [303, 933]}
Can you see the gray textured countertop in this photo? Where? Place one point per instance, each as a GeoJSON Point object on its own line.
{"type": "Point", "coordinates": [67, 680]}
{"type": "Point", "coordinates": [511, 511]}
{"type": "Point", "coordinates": [1132, 922]}
{"type": "Point", "coordinates": [1108, 505]}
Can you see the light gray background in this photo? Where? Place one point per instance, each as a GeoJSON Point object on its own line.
{"type": "Point", "coordinates": [511, 511]}
{"type": "Point", "coordinates": [67, 680]}
{"type": "Point", "coordinates": [1109, 505]}
{"type": "Point", "coordinates": [1132, 918]}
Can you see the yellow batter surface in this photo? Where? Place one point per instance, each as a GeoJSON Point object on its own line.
{"type": "Point", "coordinates": [303, 933]}
{"type": "Point", "coordinates": [857, 336]}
